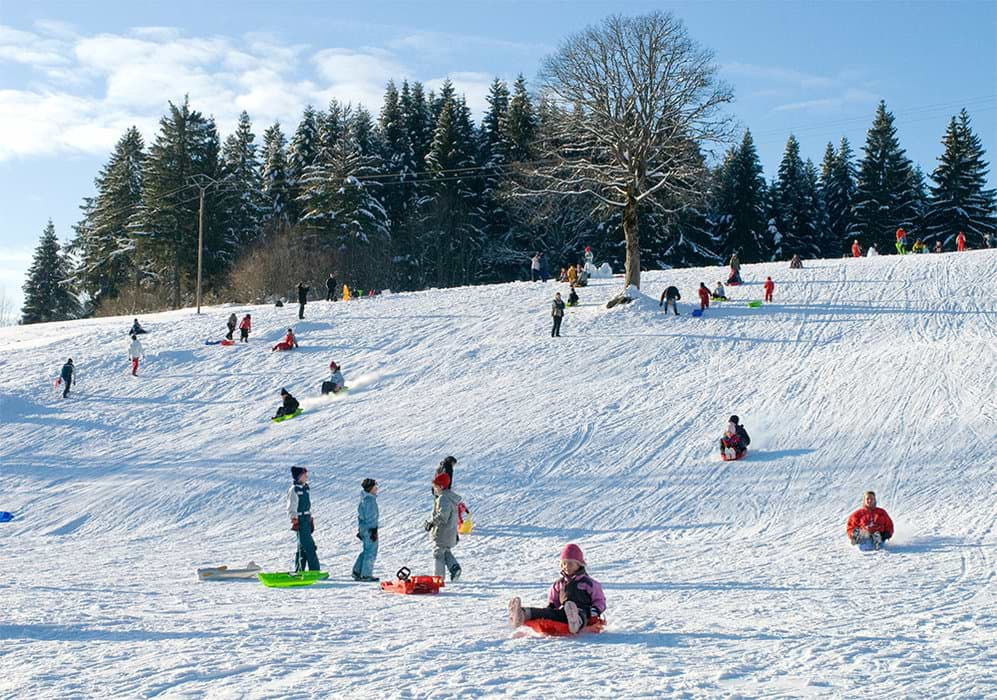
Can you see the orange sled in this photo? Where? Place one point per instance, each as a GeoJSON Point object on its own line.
{"type": "Point", "coordinates": [406, 584]}
{"type": "Point", "coordinates": [552, 628]}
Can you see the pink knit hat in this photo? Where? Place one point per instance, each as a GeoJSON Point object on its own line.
{"type": "Point", "coordinates": [572, 552]}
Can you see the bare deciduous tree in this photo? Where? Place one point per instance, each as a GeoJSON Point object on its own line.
{"type": "Point", "coordinates": [637, 98]}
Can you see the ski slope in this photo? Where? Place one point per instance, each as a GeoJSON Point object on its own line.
{"type": "Point", "coordinates": [722, 579]}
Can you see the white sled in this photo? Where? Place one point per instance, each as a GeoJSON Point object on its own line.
{"type": "Point", "coordinates": [221, 573]}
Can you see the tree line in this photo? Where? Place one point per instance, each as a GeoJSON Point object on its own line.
{"type": "Point", "coordinates": [422, 196]}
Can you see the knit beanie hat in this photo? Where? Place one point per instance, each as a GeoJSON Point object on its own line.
{"type": "Point", "coordinates": [448, 460]}
{"type": "Point", "coordinates": [368, 484]}
{"type": "Point", "coordinates": [734, 419]}
{"type": "Point", "coordinates": [731, 428]}
{"type": "Point", "coordinates": [296, 472]}
{"type": "Point", "coordinates": [572, 552]}
{"type": "Point", "coordinates": [442, 480]}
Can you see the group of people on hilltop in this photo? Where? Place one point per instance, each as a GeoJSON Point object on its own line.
{"type": "Point", "coordinates": [917, 247]}
{"type": "Point", "coordinates": [443, 523]}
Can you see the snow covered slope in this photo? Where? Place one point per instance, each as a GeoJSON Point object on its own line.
{"type": "Point", "coordinates": [723, 579]}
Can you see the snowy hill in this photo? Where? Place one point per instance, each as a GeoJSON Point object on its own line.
{"type": "Point", "coordinates": [722, 579]}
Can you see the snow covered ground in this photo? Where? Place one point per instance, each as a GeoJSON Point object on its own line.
{"type": "Point", "coordinates": [723, 579]}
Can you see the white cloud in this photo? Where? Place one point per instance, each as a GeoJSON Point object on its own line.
{"type": "Point", "coordinates": [31, 49]}
{"type": "Point", "coordinates": [777, 74]}
{"type": "Point", "coordinates": [849, 96]}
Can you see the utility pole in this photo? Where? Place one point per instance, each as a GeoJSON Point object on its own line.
{"type": "Point", "coordinates": [202, 182]}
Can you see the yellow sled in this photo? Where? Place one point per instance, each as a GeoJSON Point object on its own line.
{"type": "Point", "coordinates": [465, 527]}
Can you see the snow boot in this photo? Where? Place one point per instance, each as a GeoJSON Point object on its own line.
{"type": "Point", "coordinates": [877, 540]}
{"type": "Point", "coordinates": [516, 614]}
{"type": "Point", "coordinates": [575, 621]}
{"type": "Point", "coordinates": [730, 453]}
{"type": "Point", "coordinates": [454, 574]}
{"type": "Point", "coordinates": [854, 536]}
{"type": "Point", "coordinates": [368, 578]}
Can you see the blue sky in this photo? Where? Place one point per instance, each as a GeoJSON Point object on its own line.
{"type": "Point", "coordinates": [74, 75]}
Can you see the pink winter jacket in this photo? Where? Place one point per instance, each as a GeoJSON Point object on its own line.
{"type": "Point", "coordinates": [588, 592]}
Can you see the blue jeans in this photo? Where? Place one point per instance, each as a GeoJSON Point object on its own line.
{"type": "Point", "coordinates": [364, 565]}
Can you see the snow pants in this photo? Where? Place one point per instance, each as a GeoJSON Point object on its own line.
{"type": "Point", "coordinates": [364, 566]}
{"type": "Point", "coordinates": [244, 335]}
{"type": "Point", "coordinates": [555, 614]}
{"type": "Point", "coordinates": [134, 366]}
{"type": "Point", "coordinates": [306, 554]}
{"type": "Point", "coordinates": [534, 275]}
{"type": "Point", "coordinates": [768, 296]}
{"type": "Point", "coordinates": [231, 330]}
{"type": "Point", "coordinates": [443, 559]}
{"type": "Point", "coordinates": [671, 302]}
{"type": "Point", "coordinates": [301, 309]}
{"type": "Point", "coordinates": [556, 329]}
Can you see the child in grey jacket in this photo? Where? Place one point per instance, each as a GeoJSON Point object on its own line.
{"type": "Point", "coordinates": [367, 520]}
{"type": "Point", "coordinates": [442, 526]}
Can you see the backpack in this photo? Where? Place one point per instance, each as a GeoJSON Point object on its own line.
{"type": "Point", "coordinates": [743, 434]}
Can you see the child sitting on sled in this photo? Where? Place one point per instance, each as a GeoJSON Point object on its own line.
{"type": "Point", "coordinates": [288, 343]}
{"type": "Point", "coordinates": [334, 384]}
{"type": "Point", "coordinates": [572, 599]}
{"type": "Point", "coordinates": [735, 441]}
{"type": "Point", "coordinates": [289, 405]}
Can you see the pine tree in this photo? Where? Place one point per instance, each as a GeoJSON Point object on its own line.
{"type": "Point", "coordinates": [493, 155]}
{"type": "Point", "coordinates": [419, 124]}
{"type": "Point", "coordinates": [884, 198]}
{"type": "Point", "coordinates": [521, 123]}
{"type": "Point", "coordinates": [103, 243]}
{"type": "Point", "coordinates": [399, 195]}
{"type": "Point", "coordinates": [740, 205]}
{"type": "Point", "coordinates": [794, 199]}
{"type": "Point", "coordinates": [47, 292]}
{"type": "Point", "coordinates": [275, 191]}
{"type": "Point", "coordinates": [300, 156]}
{"type": "Point", "coordinates": [837, 188]}
{"type": "Point", "coordinates": [187, 146]}
{"type": "Point", "coordinates": [242, 188]}
{"type": "Point", "coordinates": [959, 200]}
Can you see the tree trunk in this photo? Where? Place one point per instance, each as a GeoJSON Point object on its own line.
{"type": "Point", "coordinates": [631, 234]}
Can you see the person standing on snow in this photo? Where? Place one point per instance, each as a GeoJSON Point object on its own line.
{"type": "Point", "coordinates": [367, 519]}
{"type": "Point", "coordinates": [669, 297]}
{"type": "Point", "coordinates": [302, 299]}
{"type": "Point", "coordinates": [769, 287]}
{"type": "Point", "coordinates": [67, 376]}
{"type": "Point", "coordinates": [589, 258]}
{"type": "Point", "coordinates": [960, 242]}
{"type": "Point", "coordinates": [796, 263]}
{"type": "Point", "coordinates": [869, 523]}
{"type": "Point", "coordinates": [856, 249]}
{"type": "Point", "coordinates": [442, 526]}
{"type": "Point", "coordinates": [704, 296]}
{"type": "Point", "coordinates": [557, 314]}
{"type": "Point", "coordinates": [901, 242]}
{"type": "Point", "coordinates": [572, 599]}
{"type": "Point", "coordinates": [232, 322]}
{"type": "Point", "coordinates": [245, 326]}
{"type": "Point", "coordinates": [330, 288]}
{"type": "Point", "coordinates": [535, 267]}
{"type": "Point", "coordinates": [135, 353]}
{"type": "Point", "coordinates": [299, 509]}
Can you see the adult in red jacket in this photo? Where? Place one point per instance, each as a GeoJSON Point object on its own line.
{"type": "Point", "coordinates": [704, 297]}
{"type": "Point", "coordinates": [869, 522]}
{"type": "Point", "coordinates": [856, 250]}
{"type": "Point", "coordinates": [769, 288]}
{"type": "Point", "coordinates": [960, 242]}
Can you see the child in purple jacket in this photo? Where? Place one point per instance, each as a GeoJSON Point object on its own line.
{"type": "Point", "coordinates": [573, 598]}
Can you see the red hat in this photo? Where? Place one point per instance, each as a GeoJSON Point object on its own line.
{"type": "Point", "coordinates": [442, 480]}
{"type": "Point", "coordinates": [574, 553]}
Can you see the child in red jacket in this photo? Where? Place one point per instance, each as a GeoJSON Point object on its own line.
{"type": "Point", "coordinates": [769, 288]}
{"type": "Point", "coordinates": [244, 327]}
{"type": "Point", "coordinates": [704, 297]}
{"type": "Point", "coordinates": [869, 523]}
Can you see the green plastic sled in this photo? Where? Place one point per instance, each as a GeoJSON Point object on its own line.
{"type": "Point", "coordinates": [281, 419]}
{"type": "Point", "coordinates": [754, 304]}
{"type": "Point", "coordinates": [289, 580]}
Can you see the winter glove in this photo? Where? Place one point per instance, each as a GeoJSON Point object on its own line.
{"type": "Point", "coordinates": [313, 522]}
{"type": "Point", "coordinates": [294, 524]}
{"type": "Point", "coordinates": [428, 525]}
{"type": "Point", "coordinates": [373, 534]}
{"type": "Point", "coordinates": [358, 535]}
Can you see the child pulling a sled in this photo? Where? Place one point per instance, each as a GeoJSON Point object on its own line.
{"type": "Point", "coordinates": [573, 598]}
{"type": "Point", "coordinates": [299, 509]}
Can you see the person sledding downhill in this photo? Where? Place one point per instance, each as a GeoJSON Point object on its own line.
{"type": "Point", "coordinates": [735, 441]}
{"type": "Point", "coordinates": [575, 599]}
{"type": "Point", "coordinates": [869, 525]}
{"type": "Point", "coordinates": [719, 293]}
{"type": "Point", "coordinates": [572, 297]}
{"type": "Point", "coordinates": [335, 383]}
{"type": "Point", "coordinates": [299, 509]}
{"type": "Point", "coordinates": [442, 526]}
{"type": "Point", "coordinates": [290, 404]}
{"type": "Point", "coordinates": [288, 343]}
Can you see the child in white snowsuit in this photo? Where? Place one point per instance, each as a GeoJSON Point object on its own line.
{"type": "Point", "coordinates": [572, 599]}
{"type": "Point", "coordinates": [367, 519]}
{"type": "Point", "coordinates": [135, 353]}
{"type": "Point", "coordinates": [442, 526]}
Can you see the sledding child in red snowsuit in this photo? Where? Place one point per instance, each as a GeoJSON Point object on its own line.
{"type": "Point", "coordinates": [288, 343]}
{"type": "Point", "coordinates": [572, 599]}
{"type": "Point", "coordinates": [869, 522]}
{"type": "Point", "coordinates": [769, 288]}
{"type": "Point", "coordinates": [704, 297]}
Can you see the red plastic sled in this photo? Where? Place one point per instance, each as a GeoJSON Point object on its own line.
{"type": "Point", "coordinates": [227, 342]}
{"type": "Point", "coordinates": [406, 584]}
{"type": "Point", "coordinates": [552, 628]}
{"type": "Point", "coordinates": [737, 456]}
